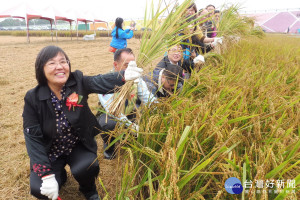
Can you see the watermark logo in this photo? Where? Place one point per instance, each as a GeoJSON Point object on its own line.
{"type": "Point", "coordinates": [233, 186]}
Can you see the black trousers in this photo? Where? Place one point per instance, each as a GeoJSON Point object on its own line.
{"type": "Point", "coordinates": [107, 124]}
{"type": "Point", "coordinates": [84, 167]}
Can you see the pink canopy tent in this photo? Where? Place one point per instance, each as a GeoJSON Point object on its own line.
{"type": "Point", "coordinates": [83, 17]}
{"type": "Point", "coordinates": [280, 22]}
{"type": "Point", "coordinates": [27, 12]}
{"type": "Point", "coordinates": [67, 16]}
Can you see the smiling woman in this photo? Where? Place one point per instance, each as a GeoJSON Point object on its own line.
{"type": "Point", "coordinates": [55, 134]}
{"type": "Point", "coordinates": [53, 68]}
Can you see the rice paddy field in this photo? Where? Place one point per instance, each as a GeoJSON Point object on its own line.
{"type": "Point", "coordinates": [239, 116]}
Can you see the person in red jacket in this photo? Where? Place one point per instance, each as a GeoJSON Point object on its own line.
{"type": "Point", "coordinates": [59, 127]}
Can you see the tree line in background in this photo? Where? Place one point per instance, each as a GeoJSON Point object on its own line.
{"type": "Point", "coordinates": [21, 22]}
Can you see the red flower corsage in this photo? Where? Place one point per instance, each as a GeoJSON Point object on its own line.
{"type": "Point", "coordinates": [74, 100]}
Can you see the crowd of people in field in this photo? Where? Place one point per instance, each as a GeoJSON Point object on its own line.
{"type": "Point", "coordinates": [171, 71]}
{"type": "Point", "coordinates": [59, 127]}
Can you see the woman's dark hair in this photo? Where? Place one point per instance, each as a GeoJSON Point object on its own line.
{"type": "Point", "coordinates": [42, 58]}
{"type": "Point", "coordinates": [193, 5]}
{"type": "Point", "coordinates": [118, 24]}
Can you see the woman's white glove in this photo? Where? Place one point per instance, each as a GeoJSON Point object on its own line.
{"type": "Point", "coordinates": [50, 187]}
{"type": "Point", "coordinates": [132, 72]}
{"type": "Point", "coordinates": [199, 59]}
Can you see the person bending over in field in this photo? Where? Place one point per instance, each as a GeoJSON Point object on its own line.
{"type": "Point", "coordinates": [59, 127]}
{"type": "Point", "coordinates": [162, 82]}
{"type": "Point", "coordinates": [210, 25]}
{"type": "Point", "coordinates": [198, 38]}
{"type": "Point", "coordinates": [139, 95]}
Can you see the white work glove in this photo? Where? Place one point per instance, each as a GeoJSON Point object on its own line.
{"type": "Point", "coordinates": [135, 129]}
{"type": "Point", "coordinates": [49, 187]}
{"type": "Point", "coordinates": [132, 72]}
{"type": "Point", "coordinates": [199, 59]}
{"type": "Point", "coordinates": [217, 41]}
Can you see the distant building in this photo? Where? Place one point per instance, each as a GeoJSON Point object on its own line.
{"type": "Point", "coordinates": [278, 22]}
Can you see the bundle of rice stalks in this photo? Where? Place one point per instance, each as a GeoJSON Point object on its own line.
{"type": "Point", "coordinates": [213, 59]}
{"type": "Point", "coordinates": [117, 106]}
{"type": "Point", "coordinates": [233, 26]}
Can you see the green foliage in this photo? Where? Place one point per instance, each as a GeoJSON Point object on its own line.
{"type": "Point", "coordinates": [12, 22]}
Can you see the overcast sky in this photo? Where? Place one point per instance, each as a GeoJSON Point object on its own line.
{"type": "Point", "coordinates": [132, 9]}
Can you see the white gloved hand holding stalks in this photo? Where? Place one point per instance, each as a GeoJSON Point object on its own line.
{"type": "Point", "coordinates": [49, 187]}
{"type": "Point", "coordinates": [135, 129]}
{"type": "Point", "coordinates": [199, 59]}
{"type": "Point", "coordinates": [217, 41]}
{"type": "Point", "coordinates": [132, 72]}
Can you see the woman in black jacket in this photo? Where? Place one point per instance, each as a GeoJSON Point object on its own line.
{"type": "Point", "coordinates": [59, 126]}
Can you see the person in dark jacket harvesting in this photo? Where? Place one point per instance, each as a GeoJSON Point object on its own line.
{"type": "Point", "coordinates": [162, 82]}
{"type": "Point", "coordinates": [175, 56]}
{"type": "Point", "coordinates": [120, 36]}
{"type": "Point", "coordinates": [59, 127]}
